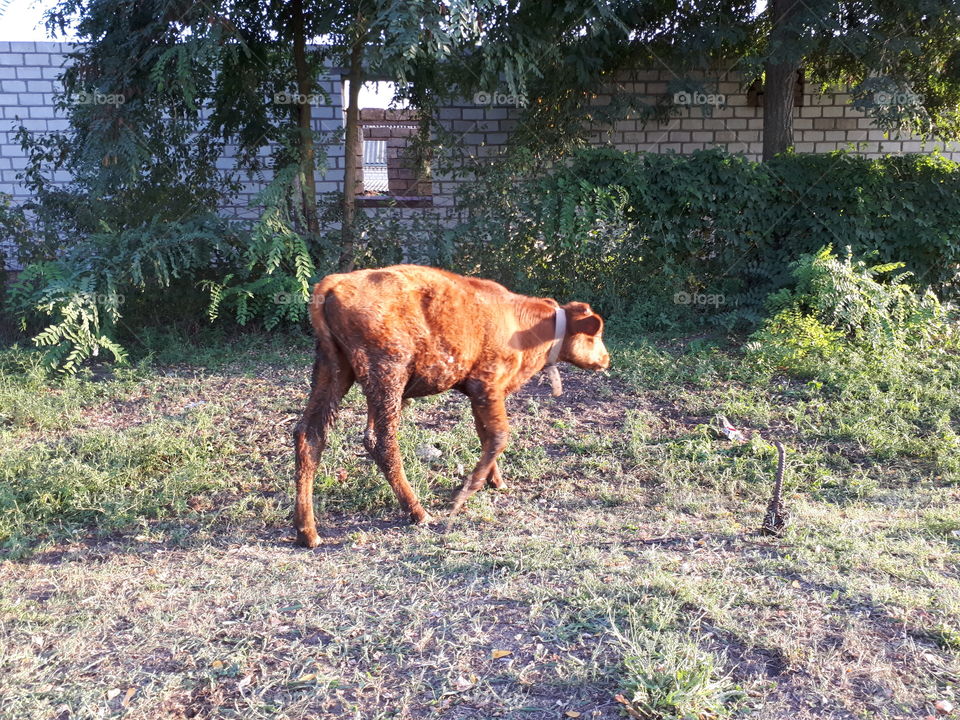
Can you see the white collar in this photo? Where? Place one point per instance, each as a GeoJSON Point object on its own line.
{"type": "Point", "coordinates": [559, 331]}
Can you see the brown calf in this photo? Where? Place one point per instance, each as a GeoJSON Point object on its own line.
{"type": "Point", "coordinates": [409, 331]}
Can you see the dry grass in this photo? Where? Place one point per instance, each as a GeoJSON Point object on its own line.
{"type": "Point", "coordinates": [624, 554]}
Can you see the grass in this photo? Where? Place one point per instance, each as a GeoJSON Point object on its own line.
{"type": "Point", "coordinates": [148, 569]}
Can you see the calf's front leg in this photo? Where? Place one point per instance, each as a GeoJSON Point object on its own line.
{"type": "Point", "coordinates": [492, 413]}
{"type": "Point", "coordinates": [495, 479]}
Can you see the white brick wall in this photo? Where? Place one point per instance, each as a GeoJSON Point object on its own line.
{"type": "Point", "coordinates": [28, 72]}
{"type": "Point", "coordinates": [823, 123]}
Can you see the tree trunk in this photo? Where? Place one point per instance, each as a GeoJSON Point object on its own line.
{"type": "Point", "coordinates": [424, 154]}
{"type": "Point", "coordinates": [781, 80]}
{"type": "Point", "coordinates": [351, 153]}
{"type": "Point", "coordinates": [304, 107]}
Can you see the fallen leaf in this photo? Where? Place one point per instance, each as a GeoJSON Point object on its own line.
{"type": "Point", "coordinates": [461, 684]}
{"type": "Point", "coordinates": [497, 654]}
{"type": "Point", "coordinates": [628, 707]}
{"type": "Point", "coordinates": [111, 694]}
{"type": "Point", "coordinates": [217, 664]}
{"type": "Point", "coordinates": [309, 677]}
{"type": "Point", "coordinates": [244, 681]}
{"type": "Point", "coordinates": [129, 696]}
{"type": "Point", "coordinates": [572, 713]}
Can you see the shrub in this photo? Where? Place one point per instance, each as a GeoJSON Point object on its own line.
{"type": "Point", "coordinates": [843, 315]}
{"type": "Point", "coordinates": [669, 238]}
{"type": "Point", "coordinates": [86, 298]}
{"type": "Point", "coordinates": [79, 297]}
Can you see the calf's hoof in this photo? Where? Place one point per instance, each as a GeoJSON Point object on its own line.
{"type": "Point", "coordinates": [308, 538]}
{"type": "Point", "coordinates": [419, 516]}
{"type": "Point", "coordinates": [495, 479]}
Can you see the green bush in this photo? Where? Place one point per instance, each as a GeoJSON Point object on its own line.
{"type": "Point", "coordinates": [89, 296]}
{"type": "Point", "coordinates": [79, 298]}
{"type": "Point", "coordinates": [844, 316]}
{"type": "Point", "coordinates": [666, 238]}
{"type": "Point", "coordinates": [659, 241]}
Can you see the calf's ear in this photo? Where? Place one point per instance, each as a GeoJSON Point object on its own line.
{"type": "Point", "coordinates": [588, 325]}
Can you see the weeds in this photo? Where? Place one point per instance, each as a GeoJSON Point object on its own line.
{"type": "Point", "coordinates": [667, 674]}
{"type": "Point", "coordinates": [145, 528]}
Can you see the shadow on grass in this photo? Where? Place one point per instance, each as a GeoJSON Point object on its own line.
{"type": "Point", "coordinates": [337, 532]}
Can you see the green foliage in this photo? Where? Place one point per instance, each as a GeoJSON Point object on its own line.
{"type": "Point", "coordinates": [105, 479]}
{"type": "Point", "coordinates": [668, 238]}
{"type": "Point", "coordinates": [855, 298]}
{"type": "Point", "coordinates": [841, 314]}
{"type": "Point", "coordinates": [82, 319]}
{"type": "Point", "coordinates": [272, 279]}
{"type": "Point", "coordinates": [667, 674]}
{"type": "Point", "coordinates": [798, 342]}
{"type": "Point", "coordinates": [14, 227]}
{"type": "Point", "coordinates": [80, 296]}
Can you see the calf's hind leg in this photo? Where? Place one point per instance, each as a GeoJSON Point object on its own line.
{"type": "Point", "coordinates": [332, 378]}
{"type": "Point", "coordinates": [383, 412]}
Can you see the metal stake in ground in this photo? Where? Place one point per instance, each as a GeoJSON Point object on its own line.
{"type": "Point", "coordinates": [775, 520]}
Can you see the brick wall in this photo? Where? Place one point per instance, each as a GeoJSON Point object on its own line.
{"type": "Point", "coordinates": [28, 76]}
{"type": "Point", "coordinates": [28, 73]}
{"type": "Point", "coordinates": [28, 81]}
{"type": "Point", "coordinates": [822, 123]}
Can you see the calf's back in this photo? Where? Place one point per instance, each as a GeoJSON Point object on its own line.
{"type": "Point", "coordinates": [441, 328]}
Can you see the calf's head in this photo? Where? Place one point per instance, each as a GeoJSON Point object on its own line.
{"type": "Point", "coordinates": [584, 346]}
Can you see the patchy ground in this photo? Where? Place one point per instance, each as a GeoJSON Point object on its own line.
{"type": "Point", "coordinates": [150, 569]}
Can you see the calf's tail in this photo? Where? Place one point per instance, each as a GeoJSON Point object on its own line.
{"type": "Point", "coordinates": [326, 343]}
